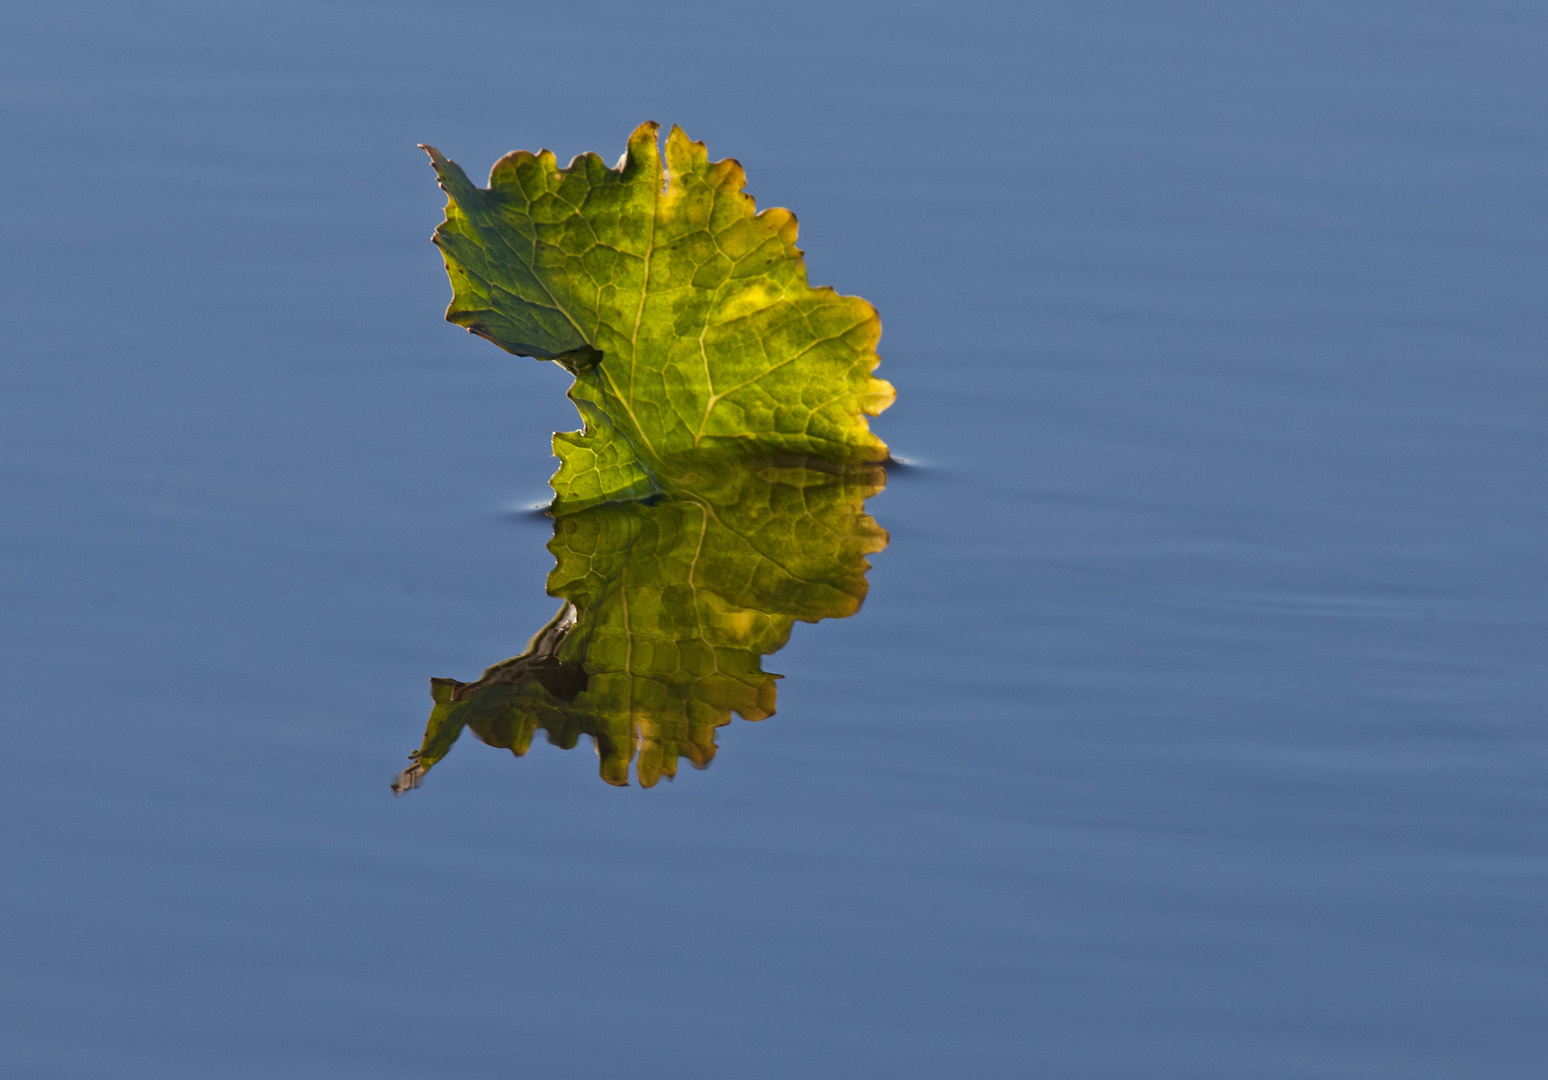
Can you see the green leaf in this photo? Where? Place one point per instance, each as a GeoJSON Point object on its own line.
{"type": "Point", "coordinates": [669, 607]}
{"type": "Point", "coordinates": [683, 313]}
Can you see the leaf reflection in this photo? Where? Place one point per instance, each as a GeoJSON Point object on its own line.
{"type": "Point", "coordinates": [669, 606]}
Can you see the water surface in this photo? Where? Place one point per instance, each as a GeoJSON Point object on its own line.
{"type": "Point", "coordinates": [1193, 725]}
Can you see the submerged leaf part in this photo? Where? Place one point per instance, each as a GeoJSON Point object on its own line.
{"type": "Point", "coordinates": [670, 606]}
{"type": "Point", "coordinates": [683, 312]}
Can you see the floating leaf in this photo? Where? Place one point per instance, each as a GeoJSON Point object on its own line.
{"type": "Point", "coordinates": [683, 313]}
{"type": "Point", "coordinates": [669, 607]}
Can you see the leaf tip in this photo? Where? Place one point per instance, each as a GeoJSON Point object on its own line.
{"type": "Point", "coordinates": [877, 397]}
{"type": "Point", "coordinates": [409, 779]}
{"type": "Point", "coordinates": [643, 153]}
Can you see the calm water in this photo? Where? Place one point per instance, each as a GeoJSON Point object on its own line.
{"type": "Point", "coordinates": [1194, 726]}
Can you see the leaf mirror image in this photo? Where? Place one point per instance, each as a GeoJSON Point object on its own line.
{"type": "Point", "coordinates": [715, 494]}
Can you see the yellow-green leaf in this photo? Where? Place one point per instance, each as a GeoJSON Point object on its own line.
{"type": "Point", "coordinates": [683, 312]}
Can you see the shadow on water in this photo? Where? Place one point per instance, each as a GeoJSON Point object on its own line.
{"type": "Point", "coordinates": [669, 607]}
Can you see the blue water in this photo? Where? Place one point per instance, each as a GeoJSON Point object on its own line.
{"type": "Point", "coordinates": [1194, 727]}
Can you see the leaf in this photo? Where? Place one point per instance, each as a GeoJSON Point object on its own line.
{"type": "Point", "coordinates": [682, 311]}
{"type": "Point", "coordinates": [669, 607]}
